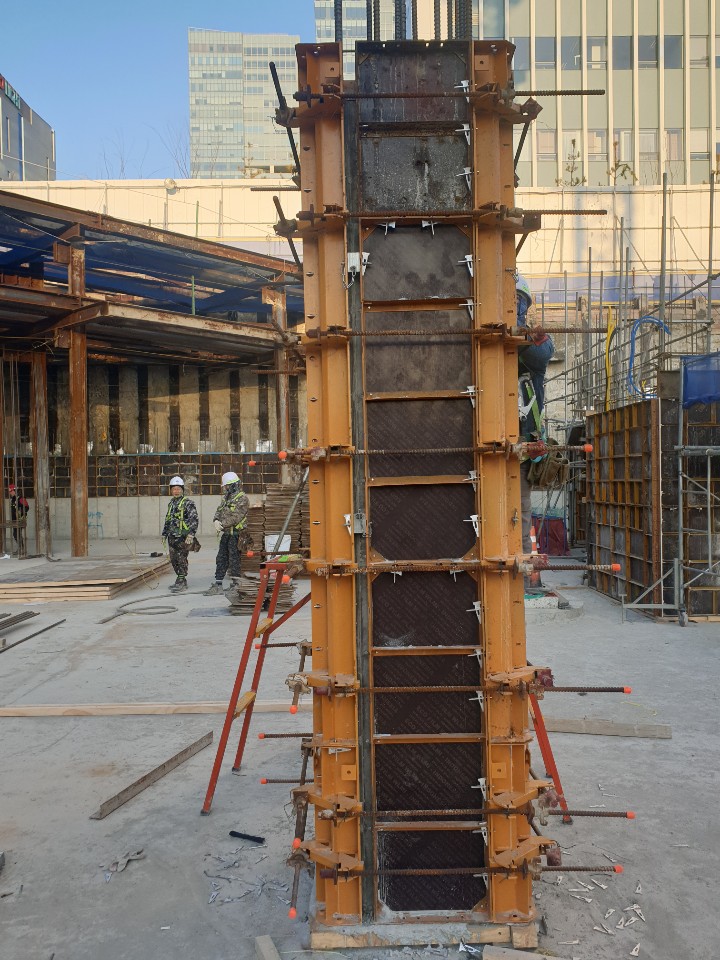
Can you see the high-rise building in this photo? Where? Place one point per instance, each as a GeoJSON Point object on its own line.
{"type": "Point", "coordinates": [232, 103]}
{"type": "Point", "coordinates": [27, 142]}
{"type": "Point", "coordinates": [657, 60]}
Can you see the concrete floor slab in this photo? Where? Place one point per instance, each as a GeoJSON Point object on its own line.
{"type": "Point", "coordinates": [56, 771]}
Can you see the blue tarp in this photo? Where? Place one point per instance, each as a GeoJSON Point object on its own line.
{"type": "Point", "coordinates": [701, 379]}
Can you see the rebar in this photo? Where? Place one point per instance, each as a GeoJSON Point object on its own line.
{"type": "Point", "coordinates": [282, 736]}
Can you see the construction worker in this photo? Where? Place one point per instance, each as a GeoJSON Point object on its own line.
{"type": "Point", "coordinates": [533, 362]}
{"type": "Point", "coordinates": [230, 522]}
{"type": "Point", "coordinates": [18, 511]}
{"type": "Point", "coordinates": [181, 523]}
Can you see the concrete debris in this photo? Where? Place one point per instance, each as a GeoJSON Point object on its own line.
{"type": "Point", "coordinates": [603, 929]}
{"type": "Point", "coordinates": [635, 952]}
{"type": "Point", "coordinates": [213, 896]}
{"type": "Point", "coordinates": [464, 948]}
{"type": "Point", "coordinates": [610, 912]}
{"type": "Point", "coordinates": [608, 857]}
{"type": "Point", "coordinates": [576, 897]}
{"type": "Point", "coordinates": [620, 924]}
{"type": "Point", "coordinates": [631, 920]}
{"type": "Point", "coordinates": [587, 886]}
{"type": "Point", "coordinates": [118, 865]}
{"type": "Point", "coordinates": [638, 888]}
{"type": "Point", "coordinates": [567, 943]}
{"type": "Point", "coordinates": [603, 886]}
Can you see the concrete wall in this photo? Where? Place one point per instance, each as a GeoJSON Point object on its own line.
{"type": "Point", "coordinates": [232, 212]}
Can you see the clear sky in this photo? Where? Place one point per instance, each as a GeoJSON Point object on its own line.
{"type": "Point", "coordinates": [111, 75]}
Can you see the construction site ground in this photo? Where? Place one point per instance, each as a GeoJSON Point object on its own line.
{"type": "Point", "coordinates": [57, 770]}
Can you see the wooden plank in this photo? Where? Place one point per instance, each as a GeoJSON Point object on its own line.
{"type": "Point", "coordinates": [405, 934]}
{"type": "Point", "coordinates": [71, 573]}
{"type": "Point", "coordinates": [153, 776]}
{"type": "Point", "coordinates": [265, 949]}
{"type": "Point", "coordinates": [608, 728]}
{"type": "Point", "coordinates": [144, 709]}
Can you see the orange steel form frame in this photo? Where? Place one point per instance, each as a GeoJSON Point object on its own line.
{"type": "Point", "coordinates": [338, 781]}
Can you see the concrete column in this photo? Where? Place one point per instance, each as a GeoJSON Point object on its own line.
{"type": "Point", "coordinates": [78, 444]}
{"type": "Point", "coordinates": [189, 422]}
{"type": "Point", "coordinates": [98, 409]}
{"type": "Point", "coordinates": [249, 407]}
{"type": "Point", "coordinates": [159, 408]}
{"type": "Point", "coordinates": [219, 396]}
{"type": "Point", "coordinates": [41, 455]}
{"type": "Point", "coordinates": [128, 409]}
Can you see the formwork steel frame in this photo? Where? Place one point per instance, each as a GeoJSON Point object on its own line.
{"type": "Point", "coordinates": [386, 532]}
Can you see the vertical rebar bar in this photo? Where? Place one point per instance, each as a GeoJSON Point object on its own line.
{"type": "Point", "coordinates": [368, 19]}
{"type": "Point", "coordinates": [414, 18]}
{"type": "Point", "coordinates": [338, 10]}
{"type": "Point", "coordinates": [437, 24]}
{"type": "Point", "coordinates": [376, 20]}
{"type": "Point", "coordinates": [450, 19]}
{"type": "Point", "coordinates": [587, 321]}
{"type": "Point", "coordinates": [400, 20]}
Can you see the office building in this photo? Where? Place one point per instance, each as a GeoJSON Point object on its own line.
{"type": "Point", "coordinates": [27, 142]}
{"type": "Point", "coordinates": [657, 60]}
{"type": "Point", "coordinates": [233, 101]}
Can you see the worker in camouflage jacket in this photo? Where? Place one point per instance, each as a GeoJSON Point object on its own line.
{"type": "Point", "coordinates": [230, 523]}
{"type": "Point", "coordinates": [181, 523]}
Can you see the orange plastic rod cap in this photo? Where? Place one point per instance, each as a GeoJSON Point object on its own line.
{"type": "Point", "coordinates": [616, 567]}
{"type": "Point", "coordinates": [296, 843]}
{"type": "Point", "coordinates": [286, 578]}
{"type": "Point", "coordinates": [618, 868]}
{"type": "Point", "coordinates": [293, 709]}
{"type": "Point", "coordinates": [252, 463]}
{"type": "Point", "coordinates": [292, 913]}
{"type": "Point", "coordinates": [282, 455]}
{"type": "Point", "coordinates": [261, 736]}
{"type": "Point", "coordinates": [630, 815]}
{"type": "Point", "coordinates": [627, 689]}
{"type": "Point", "coordinates": [588, 448]}
{"type": "Point", "coordinates": [263, 780]}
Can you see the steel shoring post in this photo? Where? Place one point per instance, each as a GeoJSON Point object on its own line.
{"type": "Point", "coordinates": [235, 695]}
{"type": "Point", "coordinates": [682, 614]}
{"type": "Point", "coordinates": [258, 670]}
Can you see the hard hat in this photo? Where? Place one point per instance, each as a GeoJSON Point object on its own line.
{"type": "Point", "coordinates": [522, 286]}
{"type": "Point", "coordinates": [229, 478]}
{"type": "Point", "coordinates": [177, 482]}
{"type": "Point", "coordinates": [12, 488]}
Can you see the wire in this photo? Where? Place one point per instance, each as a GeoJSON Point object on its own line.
{"type": "Point", "coordinates": [630, 380]}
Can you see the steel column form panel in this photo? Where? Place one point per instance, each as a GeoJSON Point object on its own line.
{"type": "Point", "coordinates": [432, 363]}
{"type": "Point", "coordinates": [77, 358]}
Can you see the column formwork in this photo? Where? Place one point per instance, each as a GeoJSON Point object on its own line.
{"type": "Point", "coordinates": [421, 725]}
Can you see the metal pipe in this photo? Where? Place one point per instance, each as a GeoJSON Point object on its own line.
{"type": "Point", "coordinates": [710, 260]}
{"type": "Point", "coordinates": [290, 512]}
{"type": "Point", "coordinates": [663, 264]}
{"type": "Point", "coordinates": [680, 585]}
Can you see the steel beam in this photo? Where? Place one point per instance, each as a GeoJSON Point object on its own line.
{"type": "Point", "coordinates": [78, 443]}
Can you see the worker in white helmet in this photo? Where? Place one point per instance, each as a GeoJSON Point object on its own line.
{"type": "Point", "coordinates": [181, 523]}
{"type": "Point", "coordinates": [231, 524]}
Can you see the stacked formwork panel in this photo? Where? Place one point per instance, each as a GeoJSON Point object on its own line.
{"type": "Point", "coordinates": [419, 658]}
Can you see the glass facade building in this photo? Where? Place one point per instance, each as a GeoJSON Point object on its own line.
{"type": "Point", "coordinates": [657, 60]}
{"type": "Point", "coordinates": [232, 103]}
{"type": "Point", "coordinates": [27, 142]}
